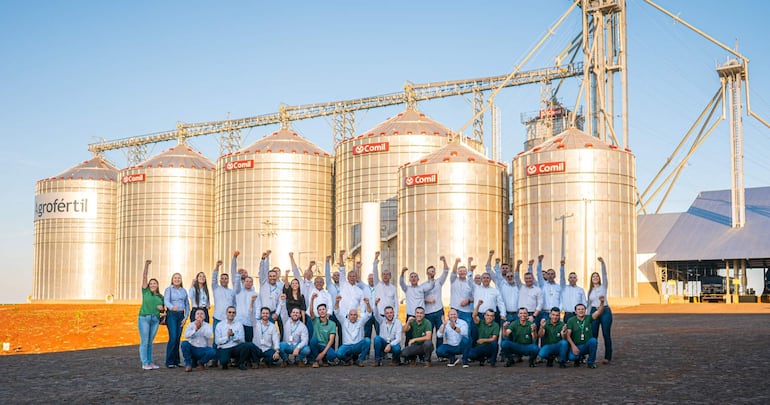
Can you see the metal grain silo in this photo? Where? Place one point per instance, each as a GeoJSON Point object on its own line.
{"type": "Point", "coordinates": [452, 202]}
{"type": "Point", "coordinates": [165, 213]}
{"type": "Point", "coordinates": [366, 170]}
{"type": "Point", "coordinates": [590, 186]}
{"type": "Point", "coordinates": [275, 194]}
{"type": "Point", "coordinates": [74, 233]}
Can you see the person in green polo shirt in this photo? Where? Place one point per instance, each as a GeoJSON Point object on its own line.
{"type": "Point", "coordinates": [579, 336]}
{"type": "Point", "coordinates": [521, 339]}
{"type": "Point", "coordinates": [420, 343]}
{"type": "Point", "coordinates": [553, 334]}
{"type": "Point", "coordinates": [485, 347]}
{"type": "Point", "coordinates": [324, 332]}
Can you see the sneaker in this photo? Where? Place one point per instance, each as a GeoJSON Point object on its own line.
{"type": "Point", "coordinates": [427, 364]}
{"type": "Point", "coordinates": [453, 363]}
{"type": "Point", "coordinates": [188, 369]}
{"type": "Point", "coordinates": [154, 366]}
{"type": "Point", "coordinates": [466, 365]}
{"type": "Point", "coordinates": [377, 363]}
{"type": "Point", "coordinates": [591, 365]}
{"type": "Point", "coordinates": [147, 367]}
{"type": "Point", "coordinates": [605, 361]}
{"type": "Point", "coordinates": [509, 363]}
{"type": "Point", "coordinates": [360, 363]}
{"type": "Point", "coordinates": [171, 366]}
{"type": "Point", "coordinates": [315, 364]}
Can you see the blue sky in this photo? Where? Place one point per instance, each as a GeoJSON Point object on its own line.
{"type": "Point", "coordinates": [78, 71]}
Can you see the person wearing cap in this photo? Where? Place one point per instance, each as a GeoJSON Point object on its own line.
{"type": "Point", "coordinates": [420, 344]}
{"type": "Point", "coordinates": [295, 336]}
{"type": "Point", "coordinates": [353, 328]}
{"type": "Point", "coordinates": [485, 346]}
{"type": "Point", "coordinates": [196, 349]}
{"type": "Point", "coordinates": [389, 338]}
{"type": "Point", "coordinates": [553, 335]}
{"type": "Point", "coordinates": [521, 339]}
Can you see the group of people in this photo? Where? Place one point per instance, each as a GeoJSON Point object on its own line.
{"type": "Point", "coordinates": [338, 320]}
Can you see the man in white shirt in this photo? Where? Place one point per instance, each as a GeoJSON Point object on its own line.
{"type": "Point", "coordinates": [384, 287]}
{"type": "Point", "coordinates": [350, 297]}
{"type": "Point", "coordinates": [455, 338]}
{"type": "Point", "coordinates": [229, 338]}
{"type": "Point", "coordinates": [270, 287]}
{"type": "Point", "coordinates": [490, 297]}
{"type": "Point", "coordinates": [551, 290]}
{"type": "Point", "coordinates": [197, 349]}
{"type": "Point", "coordinates": [506, 284]}
{"type": "Point", "coordinates": [295, 336]}
{"type": "Point", "coordinates": [434, 302]}
{"type": "Point", "coordinates": [243, 298]}
{"type": "Point", "coordinates": [530, 295]}
{"type": "Point", "coordinates": [389, 338]}
{"type": "Point", "coordinates": [353, 330]}
{"type": "Point", "coordinates": [266, 339]}
{"type": "Point", "coordinates": [571, 294]}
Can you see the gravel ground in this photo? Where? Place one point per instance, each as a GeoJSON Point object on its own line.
{"type": "Point", "coordinates": [659, 358]}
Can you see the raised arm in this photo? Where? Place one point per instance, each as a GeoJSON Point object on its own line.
{"type": "Point", "coordinates": [215, 276]}
{"type": "Point", "coordinates": [341, 265]}
{"type": "Point", "coordinates": [562, 278]}
{"type": "Point", "coordinates": [517, 273]}
{"type": "Point", "coordinates": [604, 274]}
{"type": "Point", "coordinates": [445, 272]}
{"type": "Point", "coordinates": [375, 268]}
{"type": "Point", "coordinates": [312, 304]}
{"type": "Point", "coordinates": [282, 309]}
{"type": "Point", "coordinates": [264, 266]}
{"type": "Point", "coordinates": [144, 273]}
{"type": "Point", "coordinates": [294, 267]}
{"type": "Point", "coordinates": [475, 313]}
{"type": "Point", "coordinates": [401, 280]}
{"type": "Point", "coordinates": [540, 278]}
{"type": "Point", "coordinates": [234, 274]}
{"type": "Point", "coordinates": [328, 271]}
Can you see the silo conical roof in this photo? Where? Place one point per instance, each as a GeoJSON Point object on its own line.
{"type": "Point", "coordinates": [283, 141]}
{"type": "Point", "coordinates": [407, 123]}
{"type": "Point", "coordinates": [95, 169]}
{"type": "Point", "coordinates": [455, 152]}
{"type": "Point", "coordinates": [572, 138]}
{"type": "Point", "coordinates": [180, 156]}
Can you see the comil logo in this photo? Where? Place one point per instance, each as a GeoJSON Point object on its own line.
{"type": "Point", "coordinates": [133, 178]}
{"type": "Point", "coordinates": [239, 164]}
{"type": "Point", "coordinates": [421, 179]}
{"type": "Point", "coordinates": [371, 148]}
{"type": "Point", "coordinates": [543, 168]}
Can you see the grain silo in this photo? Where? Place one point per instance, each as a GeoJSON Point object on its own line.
{"type": "Point", "coordinates": [165, 213]}
{"type": "Point", "coordinates": [275, 194]}
{"type": "Point", "coordinates": [366, 170]}
{"type": "Point", "coordinates": [74, 233]}
{"type": "Point", "coordinates": [452, 202]}
{"type": "Point", "coordinates": [588, 187]}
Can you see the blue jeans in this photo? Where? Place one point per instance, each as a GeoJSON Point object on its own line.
{"type": "Point", "coordinates": [360, 349]}
{"type": "Point", "coordinates": [589, 348]}
{"type": "Point", "coordinates": [368, 327]}
{"type": "Point", "coordinates": [288, 348]}
{"type": "Point", "coordinates": [379, 349]}
{"type": "Point", "coordinates": [197, 355]}
{"type": "Point", "coordinates": [480, 353]}
{"type": "Point", "coordinates": [436, 318]}
{"type": "Point", "coordinates": [556, 349]}
{"type": "Point", "coordinates": [508, 348]}
{"type": "Point", "coordinates": [148, 327]}
{"type": "Point", "coordinates": [316, 349]}
{"type": "Point", "coordinates": [451, 352]}
{"type": "Point", "coordinates": [605, 321]}
{"type": "Point", "coordinates": [174, 322]}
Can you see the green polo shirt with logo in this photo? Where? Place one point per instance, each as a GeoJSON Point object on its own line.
{"type": "Point", "coordinates": [487, 331]}
{"type": "Point", "coordinates": [522, 334]}
{"type": "Point", "coordinates": [552, 333]}
{"type": "Point", "coordinates": [419, 330]}
{"type": "Point", "coordinates": [322, 331]}
{"type": "Point", "coordinates": [580, 330]}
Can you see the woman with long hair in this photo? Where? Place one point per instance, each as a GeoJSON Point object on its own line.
{"type": "Point", "coordinates": [599, 289]}
{"type": "Point", "coordinates": [178, 307]}
{"type": "Point", "coordinates": [149, 317]}
{"type": "Point", "coordinates": [199, 297]}
{"type": "Point", "coordinates": [294, 297]}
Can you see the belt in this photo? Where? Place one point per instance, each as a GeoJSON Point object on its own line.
{"type": "Point", "coordinates": [513, 312]}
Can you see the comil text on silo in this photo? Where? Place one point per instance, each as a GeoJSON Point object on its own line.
{"type": "Point", "coordinates": [65, 205]}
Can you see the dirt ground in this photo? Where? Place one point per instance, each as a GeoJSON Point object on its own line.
{"type": "Point", "coordinates": [660, 356]}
